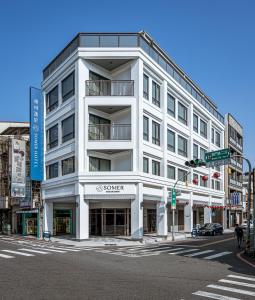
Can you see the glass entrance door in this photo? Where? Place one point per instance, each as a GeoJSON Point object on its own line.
{"type": "Point", "coordinates": [62, 222]}
{"type": "Point", "coordinates": [151, 220]}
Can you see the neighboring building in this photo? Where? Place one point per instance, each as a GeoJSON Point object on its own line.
{"type": "Point", "coordinates": [245, 195]}
{"type": "Point", "coordinates": [234, 171]}
{"type": "Point", "coordinates": [18, 195]}
{"type": "Point", "coordinates": [121, 119]}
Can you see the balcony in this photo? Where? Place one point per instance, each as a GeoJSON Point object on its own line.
{"type": "Point", "coordinates": [235, 182]}
{"type": "Point", "coordinates": [109, 88]}
{"type": "Point", "coordinates": [236, 164]}
{"type": "Point", "coordinates": [102, 132]}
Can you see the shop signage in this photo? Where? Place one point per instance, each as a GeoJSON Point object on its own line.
{"type": "Point", "coordinates": [18, 168]}
{"type": "Point", "coordinates": [110, 189]}
{"type": "Point", "coordinates": [36, 134]}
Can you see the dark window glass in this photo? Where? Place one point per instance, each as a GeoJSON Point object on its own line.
{"type": "Point", "coordinates": [171, 105]}
{"type": "Point", "coordinates": [52, 99]}
{"type": "Point", "coordinates": [155, 94]}
{"type": "Point", "coordinates": [212, 137]}
{"type": "Point", "coordinates": [217, 185]}
{"type": "Point", "coordinates": [170, 172]}
{"type": "Point", "coordinates": [144, 45]}
{"type": "Point", "coordinates": [203, 129]}
{"type": "Point", "coordinates": [145, 165]}
{"type": "Point", "coordinates": [195, 151]}
{"type": "Point", "coordinates": [195, 123]}
{"type": "Point", "coordinates": [182, 113]}
{"type": "Point", "coordinates": [68, 88]}
{"type": "Point", "coordinates": [68, 166]}
{"type": "Point", "coordinates": [108, 41]}
{"type": "Point", "coordinates": [52, 171]}
{"type": "Point", "coordinates": [145, 86]}
{"type": "Point", "coordinates": [155, 167]}
{"type": "Point", "coordinates": [128, 41]}
{"type": "Point", "coordinates": [170, 140]}
{"type": "Point", "coordinates": [99, 128]}
{"type": "Point", "coordinates": [99, 164]}
{"type": "Point", "coordinates": [212, 184]}
{"type": "Point", "coordinates": [203, 182]}
{"type": "Point", "coordinates": [182, 146]}
{"type": "Point", "coordinates": [182, 175]}
{"type": "Point", "coordinates": [145, 128]}
{"type": "Point", "coordinates": [202, 153]}
{"type": "Point", "coordinates": [52, 137]}
{"type": "Point", "coordinates": [217, 139]}
{"type": "Point", "coordinates": [68, 130]}
{"type": "Point", "coordinates": [155, 133]}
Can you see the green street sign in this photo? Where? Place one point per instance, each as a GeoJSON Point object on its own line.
{"type": "Point", "coordinates": [217, 158]}
{"type": "Point", "coordinates": [173, 202]}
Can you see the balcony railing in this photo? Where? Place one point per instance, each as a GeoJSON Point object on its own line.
{"type": "Point", "coordinates": [109, 88]}
{"type": "Point", "coordinates": [235, 182]}
{"type": "Point", "coordinates": [236, 164]}
{"type": "Point", "coordinates": [109, 132]}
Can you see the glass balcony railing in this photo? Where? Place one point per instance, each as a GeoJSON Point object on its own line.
{"type": "Point", "coordinates": [109, 88]}
{"type": "Point", "coordinates": [109, 132]}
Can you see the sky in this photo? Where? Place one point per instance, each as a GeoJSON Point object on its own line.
{"type": "Point", "coordinates": [212, 41]}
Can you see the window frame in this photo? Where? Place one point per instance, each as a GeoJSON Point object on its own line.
{"type": "Point", "coordinates": [156, 97]}
{"type": "Point", "coordinates": [54, 143]}
{"type": "Point", "coordinates": [147, 162]}
{"type": "Point", "coordinates": [180, 118]}
{"type": "Point", "coordinates": [64, 137]}
{"type": "Point", "coordinates": [99, 162]}
{"type": "Point", "coordinates": [172, 168]}
{"type": "Point", "coordinates": [184, 152]}
{"type": "Point", "coordinates": [196, 129]}
{"type": "Point", "coordinates": [203, 134]}
{"type": "Point", "coordinates": [146, 92]}
{"type": "Point", "coordinates": [156, 131]}
{"type": "Point", "coordinates": [146, 134]}
{"type": "Point", "coordinates": [197, 147]}
{"type": "Point", "coordinates": [155, 163]}
{"type": "Point", "coordinates": [70, 93]}
{"type": "Point", "coordinates": [48, 170]}
{"type": "Point", "coordinates": [50, 108]}
{"type": "Point", "coordinates": [172, 113]}
{"type": "Point", "coordinates": [72, 159]}
{"type": "Point", "coordinates": [170, 147]}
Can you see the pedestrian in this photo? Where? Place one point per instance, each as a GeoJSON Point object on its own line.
{"type": "Point", "coordinates": [239, 235]}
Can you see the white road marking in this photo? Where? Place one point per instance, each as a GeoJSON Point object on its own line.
{"type": "Point", "coordinates": [52, 250]}
{"type": "Point", "coordinates": [184, 251]}
{"type": "Point", "coordinates": [33, 251]}
{"type": "Point", "coordinates": [238, 283]}
{"type": "Point", "coordinates": [214, 296]}
{"type": "Point", "coordinates": [199, 253]}
{"type": "Point", "coordinates": [6, 256]}
{"type": "Point", "coordinates": [65, 249]}
{"type": "Point", "coordinates": [18, 253]}
{"type": "Point", "coordinates": [155, 249]}
{"type": "Point", "coordinates": [224, 288]}
{"type": "Point", "coordinates": [217, 255]}
{"type": "Point", "coordinates": [242, 277]}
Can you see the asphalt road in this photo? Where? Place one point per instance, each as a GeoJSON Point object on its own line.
{"type": "Point", "coordinates": [162, 271]}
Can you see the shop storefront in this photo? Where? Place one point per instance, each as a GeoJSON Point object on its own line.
{"type": "Point", "coordinates": [62, 221]}
{"type": "Point", "coordinates": [28, 222]}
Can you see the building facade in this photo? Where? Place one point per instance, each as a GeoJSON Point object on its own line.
{"type": "Point", "coordinates": [121, 119]}
{"type": "Point", "coordinates": [234, 171]}
{"type": "Point", "coordinates": [245, 195]}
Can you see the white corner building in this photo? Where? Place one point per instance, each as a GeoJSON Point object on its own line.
{"type": "Point", "coordinates": [121, 119]}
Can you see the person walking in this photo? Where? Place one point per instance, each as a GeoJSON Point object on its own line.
{"type": "Point", "coordinates": [239, 235]}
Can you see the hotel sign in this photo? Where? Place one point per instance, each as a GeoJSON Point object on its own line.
{"type": "Point", "coordinates": [110, 189]}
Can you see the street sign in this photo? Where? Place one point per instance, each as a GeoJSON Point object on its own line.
{"type": "Point", "coordinates": [217, 158]}
{"type": "Point", "coordinates": [177, 192]}
{"type": "Point", "coordinates": [173, 202]}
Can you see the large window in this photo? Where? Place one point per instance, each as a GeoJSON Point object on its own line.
{"type": "Point", "coordinates": [212, 137]}
{"type": "Point", "coordinates": [155, 94]}
{"type": "Point", "coordinates": [203, 182]}
{"type": "Point", "coordinates": [202, 153]}
{"type": "Point", "coordinates": [145, 86]}
{"type": "Point", "coordinates": [145, 128]}
{"type": "Point", "coordinates": [155, 167]}
{"type": "Point", "coordinates": [195, 123]}
{"type": "Point", "coordinates": [99, 164]}
{"type": "Point", "coordinates": [195, 151]}
{"type": "Point", "coordinates": [171, 105]}
{"type": "Point", "coordinates": [170, 140]}
{"type": "Point", "coordinates": [170, 172]}
{"type": "Point", "coordinates": [203, 129]}
{"type": "Point", "coordinates": [155, 133]}
{"type": "Point", "coordinates": [182, 146]}
{"type": "Point", "coordinates": [52, 171]}
{"type": "Point", "coordinates": [68, 129]}
{"type": "Point", "coordinates": [68, 87]}
{"type": "Point", "coordinates": [68, 166]}
{"type": "Point", "coordinates": [145, 165]}
{"type": "Point", "coordinates": [182, 175]}
{"type": "Point", "coordinates": [182, 113]}
{"type": "Point", "coordinates": [52, 99]}
{"type": "Point", "coordinates": [52, 137]}
{"type": "Point", "coordinates": [217, 138]}
{"type": "Point", "coordinates": [217, 185]}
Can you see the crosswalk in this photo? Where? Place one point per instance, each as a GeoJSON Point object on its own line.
{"type": "Point", "coordinates": [234, 287]}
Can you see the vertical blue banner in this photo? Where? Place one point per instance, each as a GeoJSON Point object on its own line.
{"type": "Point", "coordinates": [36, 134]}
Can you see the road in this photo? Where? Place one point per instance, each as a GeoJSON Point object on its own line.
{"type": "Point", "coordinates": [187, 270]}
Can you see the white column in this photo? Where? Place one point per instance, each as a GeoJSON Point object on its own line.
{"type": "Point", "coordinates": [48, 217]}
{"type": "Point", "coordinates": [208, 213]}
{"type": "Point", "coordinates": [162, 215]}
{"type": "Point", "coordinates": [82, 214]}
{"type": "Point", "coordinates": [137, 214]}
{"type": "Point", "coordinates": [188, 215]}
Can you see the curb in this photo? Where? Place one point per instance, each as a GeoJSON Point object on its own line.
{"type": "Point", "coordinates": [245, 260]}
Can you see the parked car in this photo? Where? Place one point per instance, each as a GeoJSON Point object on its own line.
{"type": "Point", "coordinates": [211, 229]}
{"type": "Point", "coordinates": [244, 225]}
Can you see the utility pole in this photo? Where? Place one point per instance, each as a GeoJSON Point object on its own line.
{"type": "Point", "coordinates": [253, 212]}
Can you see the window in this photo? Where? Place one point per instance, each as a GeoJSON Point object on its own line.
{"type": "Point", "coordinates": [182, 146]}
{"type": "Point", "coordinates": [155, 167]}
{"type": "Point", "coordinates": [155, 94]}
{"type": "Point", "coordinates": [170, 140]}
{"type": "Point", "coordinates": [52, 99]}
{"type": "Point", "coordinates": [182, 113]}
{"type": "Point", "coordinates": [145, 165]}
{"type": "Point", "coordinates": [52, 171]}
{"type": "Point", "coordinates": [195, 178]}
{"type": "Point", "coordinates": [217, 138]}
{"type": "Point", "coordinates": [203, 129]}
{"type": "Point", "coordinates": [68, 88]}
{"type": "Point", "coordinates": [145, 86]}
{"type": "Point", "coordinates": [182, 175]}
{"type": "Point", "coordinates": [68, 166]}
{"type": "Point", "coordinates": [68, 129]}
{"type": "Point", "coordinates": [170, 172]}
{"type": "Point", "coordinates": [52, 137]}
{"type": "Point", "coordinates": [171, 105]}
{"type": "Point", "coordinates": [145, 128]}
{"type": "Point", "coordinates": [202, 153]}
{"type": "Point", "coordinates": [195, 123]}
{"type": "Point", "coordinates": [99, 164]}
{"type": "Point", "coordinates": [212, 139]}
{"type": "Point", "coordinates": [195, 151]}
{"type": "Point", "coordinates": [155, 133]}
{"type": "Point", "coordinates": [212, 185]}
{"type": "Point", "coordinates": [217, 185]}
{"type": "Point", "coordinates": [203, 182]}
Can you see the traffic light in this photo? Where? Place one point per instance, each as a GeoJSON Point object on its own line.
{"type": "Point", "coordinates": [195, 163]}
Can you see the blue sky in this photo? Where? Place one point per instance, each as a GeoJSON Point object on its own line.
{"type": "Point", "coordinates": [213, 41]}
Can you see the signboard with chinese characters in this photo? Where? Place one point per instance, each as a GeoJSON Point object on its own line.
{"type": "Point", "coordinates": [217, 158]}
{"type": "Point", "coordinates": [173, 202]}
{"type": "Point", "coordinates": [18, 168]}
{"type": "Point", "coordinates": [36, 134]}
